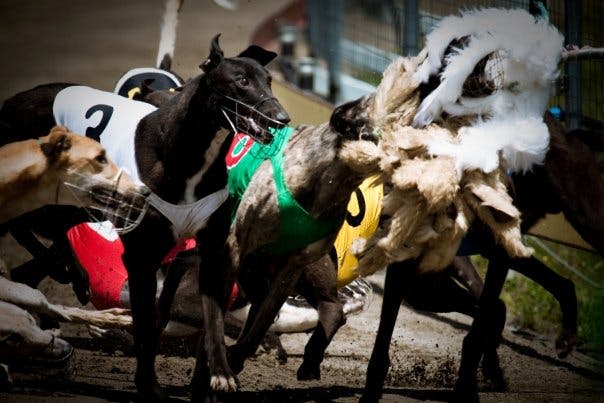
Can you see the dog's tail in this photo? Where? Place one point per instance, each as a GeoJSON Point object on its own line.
{"type": "Point", "coordinates": [297, 315]}
{"type": "Point", "coordinates": [167, 39]}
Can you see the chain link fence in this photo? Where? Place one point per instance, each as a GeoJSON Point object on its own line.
{"type": "Point", "coordinates": [361, 37]}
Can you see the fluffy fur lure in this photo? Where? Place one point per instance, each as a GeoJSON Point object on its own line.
{"type": "Point", "coordinates": [510, 58]}
{"type": "Point", "coordinates": [441, 177]}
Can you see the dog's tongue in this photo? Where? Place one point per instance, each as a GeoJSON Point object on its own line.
{"type": "Point", "coordinates": [253, 125]}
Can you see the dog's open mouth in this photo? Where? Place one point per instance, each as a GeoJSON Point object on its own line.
{"type": "Point", "coordinates": [249, 120]}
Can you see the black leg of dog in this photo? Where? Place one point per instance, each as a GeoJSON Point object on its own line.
{"type": "Point", "coordinates": [485, 333]}
{"type": "Point", "coordinates": [216, 278]}
{"type": "Point", "coordinates": [380, 360]}
{"type": "Point", "coordinates": [142, 256]}
{"type": "Point", "coordinates": [563, 290]}
{"type": "Point", "coordinates": [318, 286]}
{"type": "Point", "coordinates": [174, 273]}
{"type": "Point", "coordinates": [201, 392]}
{"type": "Point", "coordinates": [463, 269]}
{"type": "Point", "coordinates": [439, 292]}
{"type": "Point", "coordinates": [56, 261]}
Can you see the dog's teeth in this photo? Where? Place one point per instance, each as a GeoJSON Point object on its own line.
{"type": "Point", "coordinates": [254, 125]}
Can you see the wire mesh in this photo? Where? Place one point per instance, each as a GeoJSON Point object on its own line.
{"type": "Point", "coordinates": [124, 210]}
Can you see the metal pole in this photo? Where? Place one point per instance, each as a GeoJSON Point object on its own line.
{"type": "Point", "coordinates": [334, 10]}
{"type": "Point", "coordinates": [411, 27]}
{"type": "Point", "coordinates": [572, 9]}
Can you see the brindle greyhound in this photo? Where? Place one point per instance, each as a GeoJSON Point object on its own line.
{"type": "Point", "coordinates": [179, 150]}
{"type": "Point", "coordinates": [309, 169]}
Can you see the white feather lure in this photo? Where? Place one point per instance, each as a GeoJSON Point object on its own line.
{"type": "Point", "coordinates": [528, 51]}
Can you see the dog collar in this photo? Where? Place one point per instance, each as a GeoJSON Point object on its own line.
{"type": "Point", "coordinates": [188, 219]}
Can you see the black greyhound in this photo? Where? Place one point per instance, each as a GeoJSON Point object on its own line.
{"type": "Point", "coordinates": [180, 149]}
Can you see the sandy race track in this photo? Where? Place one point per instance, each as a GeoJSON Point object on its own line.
{"type": "Point", "coordinates": [94, 42]}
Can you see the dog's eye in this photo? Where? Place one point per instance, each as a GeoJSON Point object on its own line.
{"type": "Point", "coordinates": [244, 82]}
{"type": "Point", "coordinates": [101, 159]}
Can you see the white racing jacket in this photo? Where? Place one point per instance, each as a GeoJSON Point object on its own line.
{"type": "Point", "coordinates": [106, 117]}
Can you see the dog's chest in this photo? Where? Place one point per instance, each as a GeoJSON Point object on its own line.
{"type": "Point", "coordinates": [297, 227]}
{"type": "Point", "coordinates": [103, 116]}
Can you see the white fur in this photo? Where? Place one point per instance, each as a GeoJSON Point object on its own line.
{"type": "Point", "coordinates": [209, 156]}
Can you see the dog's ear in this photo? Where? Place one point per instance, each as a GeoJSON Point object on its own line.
{"type": "Point", "coordinates": [215, 57]}
{"type": "Point", "coordinates": [346, 119]}
{"type": "Point", "coordinates": [259, 54]}
{"type": "Point", "coordinates": [58, 142]}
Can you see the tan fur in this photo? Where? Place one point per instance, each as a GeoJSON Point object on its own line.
{"type": "Point", "coordinates": [34, 301]}
{"type": "Point", "coordinates": [429, 207]}
{"type": "Point", "coordinates": [33, 173]}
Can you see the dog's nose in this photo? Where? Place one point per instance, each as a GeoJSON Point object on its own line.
{"type": "Point", "coordinates": [283, 117]}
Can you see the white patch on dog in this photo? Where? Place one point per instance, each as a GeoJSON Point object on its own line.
{"type": "Point", "coordinates": [209, 157]}
{"type": "Point", "coordinates": [222, 383]}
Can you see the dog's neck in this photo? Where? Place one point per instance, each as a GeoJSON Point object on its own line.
{"type": "Point", "coordinates": [182, 148]}
{"type": "Point", "coordinates": [325, 189]}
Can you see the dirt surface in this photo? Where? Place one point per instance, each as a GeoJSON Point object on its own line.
{"type": "Point", "coordinates": [94, 42]}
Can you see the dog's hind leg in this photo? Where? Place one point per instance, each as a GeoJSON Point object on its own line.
{"type": "Point", "coordinates": [175, 271]}
{"type": "Point", "coordinates": [463, 269]}
{"type": "Point", "coordinates": [437, 292]}
{"type": "Point", "coordinates": [262, 314]}
{"type": "Point", "coordinates": [318, 285]}
{"type": "Point", "coordinates": [380, 360]}
{"type": "Point", "coordinates": [484, 335]}
{"type": "Point", "coordinates": [56, 261]}
{"type": "Point", "coordinates": [563, 290]}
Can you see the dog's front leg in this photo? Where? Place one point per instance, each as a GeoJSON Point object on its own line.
{"type": "Point", "coordinates": [143, 250]}
{"type": "Point", "coordinates": [216, 278]}
{"type": "Point", "coordinates": [143, 287]}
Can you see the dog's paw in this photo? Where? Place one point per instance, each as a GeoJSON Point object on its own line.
{"type": "Point", "coordinates": [566, 342]}
{"type": "Point", "coordinates": [58, 312]}
{"type": "Point", "coordinates": [308, 372]}
{"type": "Point", "coordinates": [221, 383]}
